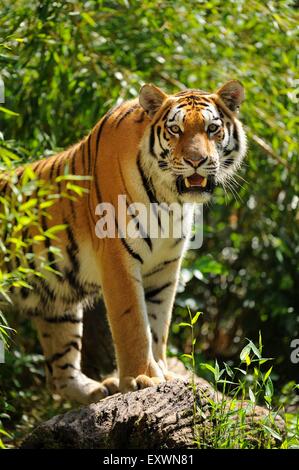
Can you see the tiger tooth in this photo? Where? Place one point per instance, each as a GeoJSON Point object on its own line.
{"type": "Point", "coordinates": [204, 182]}
{"type": "Point", "coordinates": [187, 184]}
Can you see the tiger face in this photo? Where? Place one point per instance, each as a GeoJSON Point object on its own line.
{"type": "Point", "coordinates": [195, 138]}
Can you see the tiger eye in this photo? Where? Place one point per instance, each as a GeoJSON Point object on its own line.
{"type": "Point", "coordinates": [212, 127]}
{"type": "Point", "coordinates": [175, 129]}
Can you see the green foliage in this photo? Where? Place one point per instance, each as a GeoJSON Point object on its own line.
{"type": "Point", "coordinates": [65, 63]}
{"type": "Point", "coordinates": [238, 390]}
{"type": "Point", "coordinates": [24, 399]}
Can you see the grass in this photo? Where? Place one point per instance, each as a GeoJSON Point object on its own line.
{"type": "Point", "coordinates": [233, 418]}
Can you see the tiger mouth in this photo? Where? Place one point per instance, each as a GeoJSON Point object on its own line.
{"type": "Point", "coordinates": [195, 183]}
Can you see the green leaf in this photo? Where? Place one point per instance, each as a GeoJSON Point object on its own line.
{"type": "Point", "coordinates": [228, 370]}
{"type": "Point", "coordinates": [50, 233]}
{"type": "Point", "coordinates": [245, 352]}
{"type": "Point", "coordinates": [269, 390]}
{"type": "Point", "coordinates": [267, 374]}
{"type": "Point", "coordinates": [254, 349]}
{"type": "Point", "coordinates": [187, 355]}
{"type": "Point", "coordinates": [184, 324]}
{"type": "Point", "coordinates": [251, 395]}
{"type": "Point", "coordinates": [195, 318]}
{"type": "Point", "coordinates": [88, 19]}
{"type": "Point", "coordinates": [272, 432]}
{"type": "Point", "coordinates": [8, 111]}
{"type": "Point", "coordinates": [208, 367]}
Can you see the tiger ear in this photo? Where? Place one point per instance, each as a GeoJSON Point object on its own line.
{"type": "Point", "coordinates": [232, 94]}
{"type": "Point", "coordinates": [151, 99]}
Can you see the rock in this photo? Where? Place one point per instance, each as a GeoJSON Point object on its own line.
{"type": "Point", "coordinates": [160, 417]}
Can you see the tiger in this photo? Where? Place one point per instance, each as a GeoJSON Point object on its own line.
{"type": "Point", "coordinates": [157, 148]}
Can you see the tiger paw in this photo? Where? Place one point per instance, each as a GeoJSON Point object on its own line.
{"type": "Point", "coordinates": [83, 390]}
{"type": "Point", "coordinates": [131, 384]}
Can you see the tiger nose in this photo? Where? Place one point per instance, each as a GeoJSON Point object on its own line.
{"type": "Point", "coordinates": [195, 160]}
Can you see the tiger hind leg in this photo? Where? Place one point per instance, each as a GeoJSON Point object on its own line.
{"type": "Point", "coordinates": [61, 339]}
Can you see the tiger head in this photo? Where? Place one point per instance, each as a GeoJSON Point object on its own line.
{"type": "Point", "coordinates": [194, 141]}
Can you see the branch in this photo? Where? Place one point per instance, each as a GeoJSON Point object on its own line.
{"type": "Point", "coordinates": [268, 150]}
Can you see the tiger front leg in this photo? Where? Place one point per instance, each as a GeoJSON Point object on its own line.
{"type": "Point", "coordinates": [61, 338]}
{"type": "Point", "coordinates": [124, 298]}
{"type": "Point", "coordinates": [160, 291]}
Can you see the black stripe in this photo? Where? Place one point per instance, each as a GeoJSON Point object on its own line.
{"type": "Point", "coordinates": [130, 251]}
{"type": "Point", "coordinates": [191, 92]}
{"type": "Point", "coordinates": [57, 356]}
{"type": "Point", "coordinates": [127, 247]}
{"type": "Point", "coordinates": [155, 301]}
{"type": "Point", "coordinates": [236, 137]}
{"type": "Point", "coordinates": [152, 141]}
{"type": "Point", "coordinates": [102, 122]}
{"type": "Point", "coordinates": [73, 172]}
{"type": "Point", "coordinates": [40, 166]}
{"type": "Point", "coordinates": [155, 336]}
{"type": "Point", "coordinates": [58, 170]}
{"type": "Point", "coordinates": [173, 118]}
{"type": "Point", "coordinates": [66, 318]}
{"type": "Point", "coordinates": [157, 290]}
{"type": "Point", "coordinates": [73, 344]}
{"type": "Point", "coordinates": [228, 161]}
{"type": "Point", "coordinates": [160, 267]}
{"type": "Point", "coordinates": [141, 118]}
{"type": "Point", "coordinates": [45, 289]}
{"type": "Point", "coordinates": [204, 104]}
{"type": "Point", "coordinates": [128, 310]}
{"type": "Point", "coordinates": [89, 155]}
{"type": "Point", "coordinates": [149, 190]}
{"type": "Point", "coordinates": [152, 315]}
{"type": "Point", "coordinates": [83, 157]}
{"type": "Point", "coordinates": [163, 165]}
{"type": "Point", "coordinates": [98, 192]}
{"type": "Point", "coordinates": [194, 98]}
{"type": "Point", "coordinates": [24, 292]}
{"type": "Point", "coordinates": [51, 173]}
{"type": "Point", "coordinates": [66, 366]}
{"type": "Point", "coordinates": [140, 227]}
{"type": "Point", "coordinates": [73, 161]}
{"type": "Point", "coordinates": [147, 186]}
{"type": "Point", "coordinates": [179, 240]}
{"type": "Point", "coordinates": [72, 248]}
{"type": "Point", "coordinates": [44, 299]}
{"type": "Point", "coordinates": [141, 230]}
{"type": "Point", "coordinates": [126, 113]}
{"type": "Point", "coordinates": [165, 151]}
{"type": "Point", "coordinates": [77, 287]}
{"type": "Point", "coordinates": [164, 117]}
{"type": "Point", "coordinates": [51, 257]}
